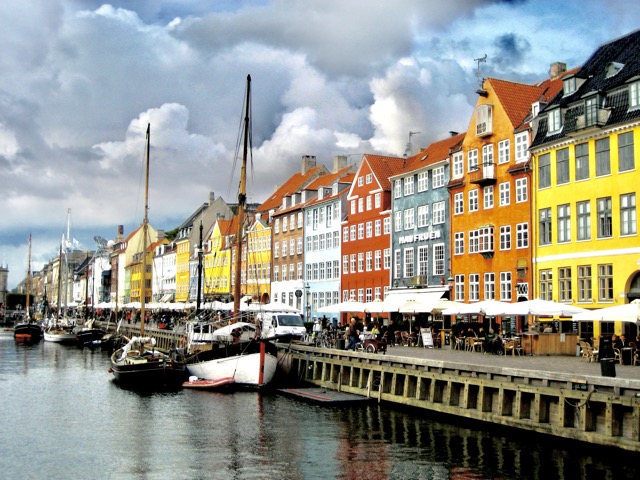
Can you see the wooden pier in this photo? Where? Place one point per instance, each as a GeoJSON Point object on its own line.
{"type": "Point", "coordinates": [551, 395]}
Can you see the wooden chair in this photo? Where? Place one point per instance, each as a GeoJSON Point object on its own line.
{"type": "Point", "coordinates": [512, 346]}
{"type": "Point", "coordinates": [588, 352]}
{"type": "Point", "coordinates": [469, 344]}
{"type": "Point", "coordinates": [618, 355]}
{"type": "Point", "coordinates": [634, 353]}
{"type": "Point", "coordinates": [478, 345]}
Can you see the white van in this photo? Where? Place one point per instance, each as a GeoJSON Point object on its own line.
{"type": "Point", "coordinates": [276, 324]}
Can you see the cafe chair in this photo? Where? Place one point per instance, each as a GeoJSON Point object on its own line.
{"type": "Point", "coordinates": [512, 346]}
{"type": "Point", "coordinates": [618, 355]}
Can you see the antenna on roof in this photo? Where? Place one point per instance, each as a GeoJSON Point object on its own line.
{"type": "Point", "coordinates": [409, 150]}
{"type": "Point", "coordinates": [478, 72]}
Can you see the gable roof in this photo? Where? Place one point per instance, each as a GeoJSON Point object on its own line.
{"type": "Point", "coordinates": [436, 152]}
{"type": "Point", "coordinates": [383, 167]}
{"type": "Point", "coordinates": [296, 182]}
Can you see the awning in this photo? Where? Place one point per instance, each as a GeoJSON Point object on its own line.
{"type": "Point", "coordinates": [414, 300]}
{"type": "Point", "coordinates": [167, 297]}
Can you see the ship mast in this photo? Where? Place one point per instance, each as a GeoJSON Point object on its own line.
{"type": "Point", "coordinates": [242, 199]}
{"type": "Point", "coordinates": [145, 232]}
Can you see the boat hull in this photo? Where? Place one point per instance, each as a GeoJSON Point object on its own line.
{"type": "Point", "coordinates": [199, 384]}
{"type": "Point", "coordinates": [89, 336]}
{"type": "Point", "coordinates": [242, 364]}
{"type": "Point", "coordinates": [27, 333]}
{"type": "Point", "coordinates": [148, 372]}
{"type": "Point", "coordinates": [60, 336]}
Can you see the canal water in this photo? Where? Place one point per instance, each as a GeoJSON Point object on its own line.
{"type": "Point", "coordinates": [63, 417]}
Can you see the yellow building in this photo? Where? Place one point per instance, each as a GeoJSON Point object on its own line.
{"type": "Point", "coordinates": [217, 261]}
{"type": "Point", "coordinates": [586, 246]}
{"type": "Point", "coordinates": [258, 262]}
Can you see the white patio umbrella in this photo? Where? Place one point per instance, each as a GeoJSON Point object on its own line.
{"type": "Point", "coordinates": [629, 312]}
{"type": "Point", "coordinates": [485, 307]}
{"type": "Point", "coordinates": [348, 306]}
{"type": "Point", "coordinates": [379, 306]}
{"type": "Point", "coordinates": [539, 307]}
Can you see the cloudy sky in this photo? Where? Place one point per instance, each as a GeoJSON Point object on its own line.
{"type": "Point", "coordinates": [80, 80]}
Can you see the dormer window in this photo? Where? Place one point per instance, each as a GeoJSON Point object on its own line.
{"type": "Point", "coordinates": [569, 86]}
{"type": "Point", "coordinates": [634, 95]}
{"type": "Point", "coordinates": [613, 68]}
{"type": "Point", "coordinates": [535, 109]}
{"type": "Point", "coordinates": [484, 120]}
{"type": "Point", "coordinates": [555, 121]}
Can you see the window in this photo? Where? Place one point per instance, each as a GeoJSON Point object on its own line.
{"type": "Point", "coordinates": [544, 171]}
{"type": "Point", "coordinates": [473, 200]}
{"type": "Point", "coordinates": [625, 152]}
{"type": "Point", "coordinates": [387, 258]}
{"type": "Point", "coordinates": [458, 203]}
{"type": "Point", "coordinates": [377, 228]}
{"type": "Point", "coordinates": [276, 273]}
{"type": "Point", "coordinates": [584, 283]}
{"type": "Point", "coordinates": [345, 234]}
{"type": "Point", "coordinates": [583, 210]}
{"type": "Point", "coordinates": [604, 217]}
{"type": "Point", "coordinates": [423, 181]}
{"type": "Point", "coordinates": [378, 260]}
{"type": "Point", "coordinates": [438, 213]}
{"type": "Point", "coordinates": [458, 243]}
{"type": "Point", "coordinates": [276, 225]}
{"type": "Point", "coordinates": [353, 207]}
{"type": "Point", "coordinates": [438, 259]}
{"type": "Point", "coordinates": [487, 197]}
{"type": "Point", "coordinates": [564, 284]}
{"type": "Point", "coordinates": [555, 121]}
{"type": "Point", "coordinates": [360, 181]}
{"type": "Point", "coordinates": [522, 235]}
{"type": "Point", "coordinates": [345, 263]}
{"type": "Point", "coordinates": [522, 147]}
{"type": "Point", "coordinates": [569, 86]}
{"type": "Point", "coordinates": [546, 284]}
{"type": "Point", "coordinates": [603, 161]}
{"type": "Point", "coordinates": [474, 241]}
{"type": "Point", "coordinates": [605, 283]}
{"type": "Point", "coordinates": [472, 160]}
{"type": "Point", "coordinates": [397, 221]}
{"type": "Point", "coordinates": [369, 261]}
{"type": "Point", "coordinates": [628, 214]}
{"type": "Point", "coordinates": [485, 239]}
{"type": "Point", "coordinates": [397, 256]}
{"type": "Point", "coordinates": [459, 288]}
{"type": "Point", "coordinates": [505, 237]}
{"type": "Point", "coordinates": [408, 262]}
{"type": "Point", "coordinates": [458, 165]}
{"type": "Point", "coordinates": [397, 189]}
{"type": "Point", "coordinates": [634, 95]}
{"type": "Point", "coordinates": [522, 194]}
{"type": "Point", "coordinates": [489, 286]}
{"type": "Point", "coordinates": [562, 166]}
{"type": "Point", "coordinates": [352, 233]}
{"type": "Point", "coordinates": [423, 215]}
{"type": "Point", "coordinates": [408, 186]}
{"type": "Point", "coordinates": [276, 249]}
{"type": "Point", "coordinates": [484, 122]}
{"type": "Point", "coordinates": [438, 177]}
{"type": "Point", "coordinates": [505, 194]}
{"type": "Point", "coordinates": [582, 161]}
{"type": "Point", "coordinates": [360, 231]}
{"type": "Point", "coordinates": [368, 178]}
{"type": "Point", "coordinates": [368, 202]}
{"type": "Point", "coordinates": [503, 151]}
{"type": "Point", "coordinates": [386, 225]}
{"type": "Point", "coordinates": [505, 286]}
{"type": "Point", "coordinates": [564, 223]}
{"type": "Point", "coordinates": [352, 263]}
{"type": "Point", "coordinates": [423, 260]}
{"type": "Point", "coordinates": [544, 220]}
{"type": "Point", "coordinates": [376, 200]}
{"type": "Point", "coordinates": [409, 219]}
{"type": "Point", "coordinates": [360, 205]}
{"type": "Point", "coordinates": [474, 287]}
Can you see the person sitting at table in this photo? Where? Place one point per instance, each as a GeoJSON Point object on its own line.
{"type": "Point", "coordinates": [548, 328]}
{"type": "Point", "coordinates": [616, 342]}
{"type": "Point", "coordinates": [375, 331]}
{"type": "Point", "coordinates": [470, 333]}
{"type": "Point", "coordinates": [492, 342]}
{"type": "Point", "coordinates": [623, 341]}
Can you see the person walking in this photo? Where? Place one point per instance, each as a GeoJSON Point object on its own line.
{"type": "Point", "coordinates": [352, 332]}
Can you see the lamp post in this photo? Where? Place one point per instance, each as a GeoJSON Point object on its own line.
{"type": "Point", "coordinates": [307, 289]}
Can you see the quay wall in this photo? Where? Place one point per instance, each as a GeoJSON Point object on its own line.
{"type": "Point", "coordinates": [594, 409]}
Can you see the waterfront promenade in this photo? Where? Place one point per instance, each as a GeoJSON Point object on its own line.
{"type": "Point", "coordinates": [554, 364]}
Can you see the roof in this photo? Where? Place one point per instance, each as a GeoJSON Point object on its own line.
{"type": "Point", "coordinates": [436, 152]}
{"type": "Point", "coordinates": [384, 167]}
{"type": "Point", "coordinates": [516, 98]}
{"type": "Point", "coordinates": [296, 182]}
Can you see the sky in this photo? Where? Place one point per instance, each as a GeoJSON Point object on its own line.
{"type": "Point", "coordinates": [81, 79]}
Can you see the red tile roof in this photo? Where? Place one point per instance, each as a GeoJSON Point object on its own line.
{"type": "Point", "coordinates": [295, 183]}
{"type": "Point", "coordinates": [384, 167]}
{"type": "Point", "coordinates": [436, 152]}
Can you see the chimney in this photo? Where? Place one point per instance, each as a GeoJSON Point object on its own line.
{"type": "Point", "coordinates": [557, 69]}
{"type": "Point", "coordinates": [452, 133]}
{"type": "Point", "coordinates": [308, 162]}
{"type": "Point", "coordinates": [120, 236]}
{"type": "Point", "coordinates": [212, 197]}
{"type": "Point", "coordinates": [339, 162]}
{"type": "Point", "coordinates": [160, 234]}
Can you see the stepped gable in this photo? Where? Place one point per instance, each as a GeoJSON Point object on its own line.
{"type": "Point", "coordinates": [384, 167]}
{"type": "Point", "coordinates": [436, 152]}
{"type": "Point", "coordinates": [295, 183]}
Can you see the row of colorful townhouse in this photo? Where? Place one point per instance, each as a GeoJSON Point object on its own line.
{"type": "Point", "coordinates": [537, 198]}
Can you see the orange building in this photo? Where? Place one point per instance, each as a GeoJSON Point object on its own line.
{"type": "Point", "coordinates": [490, 188]}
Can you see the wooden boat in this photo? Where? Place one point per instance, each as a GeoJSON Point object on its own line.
{"type": "Point", "coordinates": [27, 332]}
{"type": "Point", "coordinates": [251, 363]}
{"type": "Point", "coordinates": [138, 364]}
{"type": "Point", "coordinates": [200, 384]}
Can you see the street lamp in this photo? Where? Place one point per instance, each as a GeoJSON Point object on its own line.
{"type": "Point", "coordinates": [307, 289]}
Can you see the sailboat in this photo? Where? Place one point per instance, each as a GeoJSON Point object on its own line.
{"type": "Point", "coordinates": [61, 330]}
{"type": "Point", "coordinates": [27, 332]}
{"type": "Point", "coordinates": [138, 364]}
{"type": "Point", "coordinates": [250, 363]}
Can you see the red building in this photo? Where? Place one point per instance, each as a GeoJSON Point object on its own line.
{"type": "Point", "coordinates": [366, 233]}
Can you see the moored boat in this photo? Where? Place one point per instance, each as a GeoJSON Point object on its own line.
{"type": "Point", "coordinates": [27, 333]}
{"type": "Point", "coordinates": [60, 334]}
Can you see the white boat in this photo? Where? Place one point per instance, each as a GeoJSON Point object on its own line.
{"type": "Point", "coordinates": [251, 362]}
{"type": "Point", "coordinates": [60, 334]}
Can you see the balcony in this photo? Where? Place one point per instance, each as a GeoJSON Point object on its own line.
{"type": "Point", "coordinates": [484, 175]}
{"type": "Point", "coordinates": [593, 119]}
